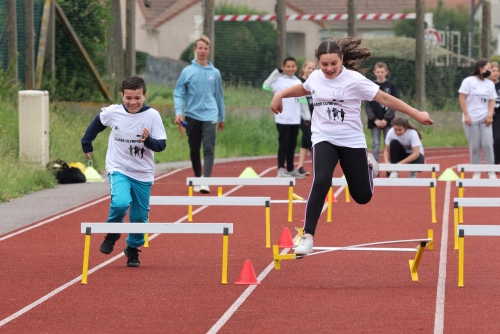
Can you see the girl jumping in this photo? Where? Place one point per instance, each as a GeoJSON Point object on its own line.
{"type": "Point", "coordinates": [338, 87]}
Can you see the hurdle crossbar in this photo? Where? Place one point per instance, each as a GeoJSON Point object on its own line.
{"type": "Point", "coordinates": [414, 263]}
{"type": "Point", "coordinates": [401, 182]}
{"type": "Point", "coordinates": [218, 201]}
{"type": "Point", "coordinates": [462, 183]}
{"type": "Point", "coordinates": [462, 168]}
{"type": "Point", "coordinates": [476, 231]}
{"type": "Point", "coordinates": [201, 228]}
{"type": "Point", "coordinates": [241, 181]}
{"type": "Point", "coordinates": [410, 168]}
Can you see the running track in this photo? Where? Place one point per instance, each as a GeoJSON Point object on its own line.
{"type": "Point", "coordinates": [177, 288]}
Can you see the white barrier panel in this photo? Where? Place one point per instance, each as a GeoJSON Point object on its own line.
{"type": "Point", "coordinates": [480, 230]}
{"type": "Point", "coordinates": [191, 228]}
{"type": "Point", "coordinates": [482, 202]}
{"type": "Point", "coordinates": [410, 182]}
{"type": "Point", "coordinates": [409, 167]}
{"type": "Point", "coordinates": [240, 181]}
{"type": "Point", "coordinates": [478, 182]}
{"type": "Point", "coordinates": [478, 168]}
{"type": "Point", "coordinates": [208, 200]}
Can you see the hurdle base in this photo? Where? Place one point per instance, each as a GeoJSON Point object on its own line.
{"type": "Point", "coordinates": [278, 257]}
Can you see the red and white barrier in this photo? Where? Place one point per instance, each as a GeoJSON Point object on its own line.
{"type": "Point", "coordinates": [317, 17]}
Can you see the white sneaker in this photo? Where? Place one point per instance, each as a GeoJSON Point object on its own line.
{"type": "Point", "coordinates": [205, 189]}
{"type": "Point", "coordinates": [476, 175]}
{"type": "Point", "coordinates": [373, 163]}
{"type": "Point", "coordinates": [295, 173]}
{"type": "Point", "coordinates": [196, 189]}
{"type": "Point", "coordinates": [282, 173]}
{"type": "Point", "coordinates": [305, 245]}
{"type": "Point", "coordinates": [492, 175]}
{"type": "Point", "coordinates": [413, 175]}
{"type": "Point", "coordinates": [394, 175]}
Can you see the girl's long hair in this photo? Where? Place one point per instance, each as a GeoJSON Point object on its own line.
{"type": "Point", "coordinates": [347, 49]}
{"type": "Point", "coordinates": [401, 121]}
{"type": "Point", "coordinates": [477, 67]}
{"type": "Point", "coordinates": [304, 66]}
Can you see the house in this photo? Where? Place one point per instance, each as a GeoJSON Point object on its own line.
{"type": "Point", "coordinates": [164, 28]}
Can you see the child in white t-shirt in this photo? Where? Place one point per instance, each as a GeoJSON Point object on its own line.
{"type": "Point", "coordinates": [137, 132]}
{"type": "Point", "coordinates": [477, 100]}
{"type": "Point", "coordinates": [337, 90]}
{"type": "Point", "coordinates": [287, 122]}
{"type": "Point", "coordinates": [403, 145]}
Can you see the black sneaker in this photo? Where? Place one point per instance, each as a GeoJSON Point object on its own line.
{"type": "Point", "coordinates": [109, 242]}
{"type": "Point", "coordinates": [303, 171]}
{"type": "Point", "coordinates": [133, 256]}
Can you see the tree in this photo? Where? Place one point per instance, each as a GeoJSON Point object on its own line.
{"type": "Point", "coordinates": [245, 52]}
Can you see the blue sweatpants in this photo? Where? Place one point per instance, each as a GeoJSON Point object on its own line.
{"type": "Point", "coordinates": [128, 192]}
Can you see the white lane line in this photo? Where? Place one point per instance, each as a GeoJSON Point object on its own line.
{"type": "Point", "coordinates": [441, 285]}
{"type": "Point", "coordinates": [79, 278]}
{"type": "Point", "coordinates": [248, 291]}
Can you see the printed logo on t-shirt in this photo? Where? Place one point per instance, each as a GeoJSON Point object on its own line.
{"type": "Point", "coordinates": [336, 114]}
{"type": "Point", "coordinates": [135, 151]}
{"type": "Point", "coordinates": [338, 92]}
{"type": "Point", "coordinates": [116, 128]}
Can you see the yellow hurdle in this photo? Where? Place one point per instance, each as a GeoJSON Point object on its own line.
{"type": "Point", "coordinates": [415, 262]}
{"type": "Point", "coordinates": [433, 202]}
{"type": "Point", "coordinates": [455, 223]}
{"type": "Point", "coordinates": [329, 210]}
{"type": "Point", "coordinates": [86, 253]}
{"type": "Point", "coordinates": [461, 258]}
{"type": "Point", "coordinates": [347, 195]}
{"type": "Point", "coordinates": [290, 203]}
{"type": "Point", "coordinates": [219, 191]}
{"type": "Point", "coordinates": [225, 246]}
{"type": "Point", "coordinates": [460, 209]}
{"type": "Point", "coordinates": [430, 235]}
{"type": "Point", "coordinates": [268, 224]}
{"type": "Point", "coordinates": [190, 207]}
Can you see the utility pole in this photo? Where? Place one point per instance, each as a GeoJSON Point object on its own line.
{"type": "Point", "coordinates": [486, 31]}
{"type": "Point", "coordinates": [209, 26]}
{"type": "Point", "coordinates": [351, 19]}
{"type": "Point", "coordinates": [29, 45]}
{"type": "Point", "coordinates": [420, 56]}
{"type": "Point", "coordinates": [115, 49]}
{"type": "Point", "coordinates": [12, 36]}
{"type": "Point", "coordinates": [280, 10]}
{"type": "Point", "coordinates": [130, 38]}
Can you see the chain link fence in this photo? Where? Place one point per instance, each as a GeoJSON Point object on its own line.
{"type": "Point", "coordinates": [245, 43]}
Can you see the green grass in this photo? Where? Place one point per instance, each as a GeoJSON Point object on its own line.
{"type": "Point", "coordinates": [234, 96]}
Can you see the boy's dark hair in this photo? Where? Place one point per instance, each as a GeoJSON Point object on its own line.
{"type": "Point", "coordinates": [346, 48]}
{"type": "Point", "coordinates": [480, 63]}
{"type": "Point", "coordinates": [289, 59]}
{"type": "Point", "coordinates": [134, 83]}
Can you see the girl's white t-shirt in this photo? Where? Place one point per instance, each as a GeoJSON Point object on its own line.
{"type": "Point", "coordinates": [291, 105]}
{"type": "Point", "coordinates": [126, 153]}
{"type": "Point", "coordinates": [337, 107]}
{"type": "Point", "coordinates": [479, 93]}
{"type": "Point", "coordinates": [408, 140]}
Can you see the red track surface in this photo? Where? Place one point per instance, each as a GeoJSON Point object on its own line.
{"type": "Point", "coordinates": [177, 288]}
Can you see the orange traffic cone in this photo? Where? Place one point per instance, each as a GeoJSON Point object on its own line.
{"type": "Point", "coordinates": [334, 200]}
{"type": "Point", "coordinates": [286, 240]}
{"type": "Point", "coordinates": [247, 275]}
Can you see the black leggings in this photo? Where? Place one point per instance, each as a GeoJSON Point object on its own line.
{"type": "Point", "coordinates": [398, 153]}
{"type": "Point", "coordinates": [287, 142]}
{"type": "Point", "coordinates": [358, 175]}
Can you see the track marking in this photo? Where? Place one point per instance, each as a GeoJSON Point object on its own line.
{"type": "Point", "coordinates": [94, 269]}
{"type": "Point", "coordinates": [443, 253]}
{"type": "Point", "coordinates": [248, 291]}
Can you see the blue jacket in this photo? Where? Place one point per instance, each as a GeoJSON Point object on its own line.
{"type": "Point", "coordinates": [199, 92]}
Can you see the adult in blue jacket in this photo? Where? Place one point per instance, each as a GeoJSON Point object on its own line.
{"type": "Point", "coordinates": [198, 97]}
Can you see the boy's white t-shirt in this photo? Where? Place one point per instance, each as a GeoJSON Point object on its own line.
{"type": "Point", "coordinates": [408, 140]}
{"type": "Point", "coordinates": [291, 105]}
{"type": "Point", "coordinates": [126, 153]}
{"type": "Point", "coordinates": [337, 107]}
{"type": "Point", "coordinates": [479, 93]}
